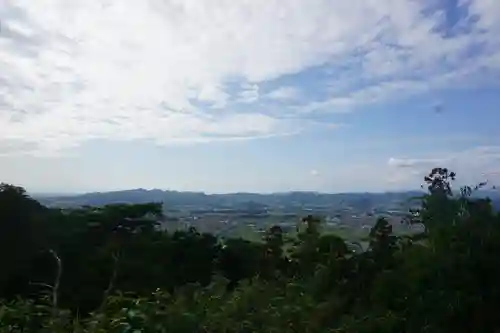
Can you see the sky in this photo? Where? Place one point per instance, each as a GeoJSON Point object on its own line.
{"type": "Point", "coordinates": [247, 95]}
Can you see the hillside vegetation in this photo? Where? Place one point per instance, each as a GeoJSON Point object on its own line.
{"type": "Point", "coordinates": [111, 269]}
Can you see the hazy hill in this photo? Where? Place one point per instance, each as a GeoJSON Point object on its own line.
{"type": "Point", "coordinates": [175, 199]}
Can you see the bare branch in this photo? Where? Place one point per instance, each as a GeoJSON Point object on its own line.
{"type": "Point", "coordinates": [111, 284]}
{"type": "Point", "coordinates": [55, 288]}
{"type": "Point", "coordinates": [46, 285]}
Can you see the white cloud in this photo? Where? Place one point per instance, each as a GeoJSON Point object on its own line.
{"type": "Point", "coordinates": [314, 173]}
{"type": "Point", "coordinates": [335, 105]}
{"type": "Point", "coordinates": [284, 93]}
{"type": "Point", "coordinates": [249, 93]}
{"type": "Point", "coordinates": [472, 166]}
{"type": "Point", "coordinates": [414, 163]}
{"type": "Point", "coordinates": [488, 13]}
{"type": "Point", "coordinates": [74, 70]}
{"type": "Point", "coordinates": [214, 94]}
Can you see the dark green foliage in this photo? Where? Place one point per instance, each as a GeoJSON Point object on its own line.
{"type": "Point", "coordinates": [21, 234]}
{"type": "Point", "coordinates": [239, 259]}
{"type": "Point", "coordinates": [111, 269]}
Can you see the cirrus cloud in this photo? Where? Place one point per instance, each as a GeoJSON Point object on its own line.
{"type": "Point", "coordinates": [284, 93]}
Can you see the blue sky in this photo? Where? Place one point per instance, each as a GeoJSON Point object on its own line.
{"type": "Point", "coordinates": [263, 95]}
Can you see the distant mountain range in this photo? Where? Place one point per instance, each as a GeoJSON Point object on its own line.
{"type": "Point", "coordinates": [174, 198]}
{"type": "Point", "coordinates": [231, 200]}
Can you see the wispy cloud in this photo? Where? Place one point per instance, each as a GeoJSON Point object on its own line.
{"type": "Point", "coordinates": [473, 165]}
{"type": "Point", "coordinates": [314, 173]}
{"type": "Point", "coordinates": [284, 94]}
{"type": "Point", "coordinates": [75, 70]}
{"type": "Point", "coordinates": [214, 95]}
{"type": "Point", "coordinates": [249, 93]}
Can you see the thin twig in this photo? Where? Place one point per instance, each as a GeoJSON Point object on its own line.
{"type": "Point", "coordinates": [111, 284]}
{"type": "Point", "coordinates": [46, 285]}
{"type": "Point", "coordinates": [55, 289]}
